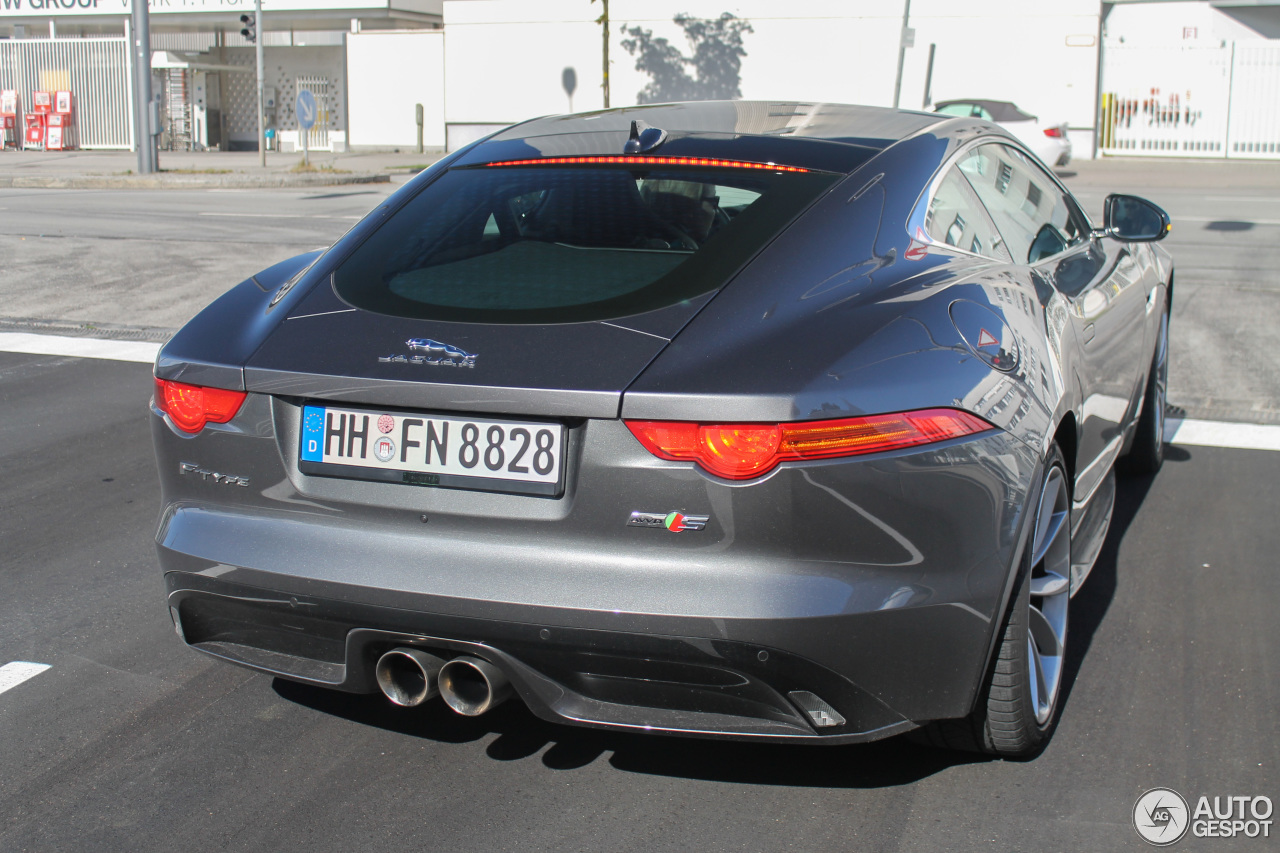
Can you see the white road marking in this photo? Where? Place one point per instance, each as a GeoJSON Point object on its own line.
{"type": "Point", "coordinates": [13, 674]}
{"type": "Point", "coordinates": [1267, 199]}
{"type": "Point", "coordinates": [1220, 434]}
{"type": "Point", "coordinates": [279, 215]}
{"type": "Point", "coordinates": [143, 352]}
{"type": "Point", "coordinates": [1176, 219]}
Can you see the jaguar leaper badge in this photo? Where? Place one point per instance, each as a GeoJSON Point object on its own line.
{"type": "Point", "coordinates": [427, 351]}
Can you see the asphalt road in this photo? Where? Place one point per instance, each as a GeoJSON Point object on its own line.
{"type": "Point", "coordinates": [156, 257]}
{"type": "Point", "coordinates": [130, 741]}
{"type": "Point", "coordinates": [1226, 249]}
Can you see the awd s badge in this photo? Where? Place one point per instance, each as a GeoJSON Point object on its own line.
{"type": "Point", "coordinates": [673, 521]}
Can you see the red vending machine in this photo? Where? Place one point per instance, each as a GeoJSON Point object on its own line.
{"type": "Point", "coordinates": [8, 118]}
{"type": "Point", "coordinates": [42, 102]}
{"type": "Point", "coordinates": [33, 136]}
{"type": "Point", "coordinates": [55, 132]}
{"type": "Point", "coordinates": [62, 119]}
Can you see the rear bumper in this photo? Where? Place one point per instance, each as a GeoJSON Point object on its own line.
{"type": "Point", "coordinates": [682, 676]}
{"type": "Point", "coordinates": [664, 684]}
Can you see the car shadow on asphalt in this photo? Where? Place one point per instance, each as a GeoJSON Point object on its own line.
{"type": "Point", "coordinates": [515, 734]}
{"type": "Point", "coordinates": [520, 735]}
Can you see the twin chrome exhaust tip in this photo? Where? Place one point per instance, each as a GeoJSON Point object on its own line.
{"type": "Point", "coordinates": [468, 685]}
{"type": "Point", "coordinates": [408, 677]}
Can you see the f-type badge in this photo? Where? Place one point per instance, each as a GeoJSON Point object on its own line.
{"type": "Point", "coordinates": [427, 351]}
{"type": "Point", "coordinates": [673, 521]}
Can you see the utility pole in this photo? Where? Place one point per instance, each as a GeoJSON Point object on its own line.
{"type": "Point", "coordinates": [143, 108]}
{"type": "Point", "coordinates": [905, 39]}
{"type": "Point", "coordinates": [603, 21]}
{"type": "Point", "coordinates": [262, 121]}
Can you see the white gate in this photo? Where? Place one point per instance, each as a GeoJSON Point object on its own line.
{"type": "Point", "coordinates": [94, 70]}
{"type": "Point", "coordinates": [1191, 101]}
{"type": "Point", "coordinates": [1254, 130]}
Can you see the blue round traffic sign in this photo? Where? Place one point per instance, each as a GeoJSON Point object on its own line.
{"type": "Point", "coordinates": [305, 109]}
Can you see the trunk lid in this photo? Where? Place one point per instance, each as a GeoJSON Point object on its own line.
{"type": "Point", "coordinates": [327, 350]}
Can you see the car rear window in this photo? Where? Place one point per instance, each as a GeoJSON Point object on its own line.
{"type": "Point", "coordinates": [557, 244]}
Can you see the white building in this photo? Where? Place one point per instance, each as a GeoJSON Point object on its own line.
{"type": "Point", "coordinates": [204, 69]}
{"type": "Point", "coordinates": [1181, 78]}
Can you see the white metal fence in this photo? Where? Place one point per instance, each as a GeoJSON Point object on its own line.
{"type": "Point", "coordinates": [95, 70]}
{"type": "Point", "coordinates": [1219, 101]}
{"type": "Point", "coordinates": [1254, 129]}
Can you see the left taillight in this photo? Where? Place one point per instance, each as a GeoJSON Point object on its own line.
{"type": "Point", "coordinates": [190, 407]}
{"type": "Point", "coordinates": [743, 451]}
{"type": "Point", "coordinates": [1055, 132]}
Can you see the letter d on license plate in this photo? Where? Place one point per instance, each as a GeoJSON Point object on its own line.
{"type": "Point", "coordinates": [524, 457]}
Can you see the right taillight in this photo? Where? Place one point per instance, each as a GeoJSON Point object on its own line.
{"type": "Point", "coordinates": [190, 407]}
{"type": "Point", "coordinates": [743, 451]}
{"type": "Point", "coordinates": [1055, 132]}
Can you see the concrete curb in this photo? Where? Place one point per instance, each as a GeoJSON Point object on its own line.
{"type": "Point", "coordinates": [180, 181]}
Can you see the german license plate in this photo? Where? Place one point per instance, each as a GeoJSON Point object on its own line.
{"type": "Point", "coordinates": [420, 449]}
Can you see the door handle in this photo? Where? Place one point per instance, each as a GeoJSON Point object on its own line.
{"type": "Point", "coordinates": [1088, 333]}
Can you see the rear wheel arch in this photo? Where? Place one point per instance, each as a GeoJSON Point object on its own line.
{"type": "Point", "coordinates": [1066, 438]}
{"type": "Point", "coordinates": [1005, 720]}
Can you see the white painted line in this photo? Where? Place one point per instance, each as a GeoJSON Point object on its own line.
{"type": "Point", "coordinates": [281, 215]}
{"type": "Point", "coordinates": [143, 352]}
{"type": "Point", "coordinates": [1219, 434]}
{"type": "Point", "coordinates": [1251, 221]}
{"type": "Point", "coordinates": [13, 674]}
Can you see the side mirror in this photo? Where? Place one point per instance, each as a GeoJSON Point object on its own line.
{"type": "Point", "coordinates": [1127, 217]}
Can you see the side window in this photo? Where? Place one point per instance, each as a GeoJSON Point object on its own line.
{"type": "Point", "coordinates": [955, 217]}
{"type": "Point", "coordinates": [1035, 218]}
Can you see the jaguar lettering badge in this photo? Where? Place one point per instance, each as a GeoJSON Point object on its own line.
{"type": "Point", "coordinates": [427, 351]}
{"type": "Point", "coordinates": [206, 474]}
{"type": "Point", "coordinates": [673, 521]}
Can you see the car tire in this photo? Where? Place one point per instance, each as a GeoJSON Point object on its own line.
{"type": "Point", "coordinates": [1018, 706]}
{"type": "Point", "coordinates": [1146, 453]}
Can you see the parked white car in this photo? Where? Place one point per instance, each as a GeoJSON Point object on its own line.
{"type": "Point", "coordinates": [1049, 142]}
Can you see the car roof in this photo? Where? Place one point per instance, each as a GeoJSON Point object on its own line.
{"type": "Point", "coordinates": [837, 137]}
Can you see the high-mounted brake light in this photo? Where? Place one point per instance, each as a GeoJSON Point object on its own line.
{"type": "Point", "coordinates": [743, 451]}
{"type": "Point", "coordinates": [648, 161]}
{"type": "Point", "coordinates": [190, 407]}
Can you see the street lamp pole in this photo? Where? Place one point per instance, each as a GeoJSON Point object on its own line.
{"type": "Point", "coordinates": [142, 79]}
{"type": "Point", "coordinates": [262, 122]}
{"type": "Point", "coordinates": [902, 52]}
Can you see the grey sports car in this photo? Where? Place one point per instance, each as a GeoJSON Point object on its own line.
{"type": "Point", "coordinates": [770, 420]}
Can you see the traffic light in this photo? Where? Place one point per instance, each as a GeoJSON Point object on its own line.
{"type": "Point", "coordinates": [250, 29]}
